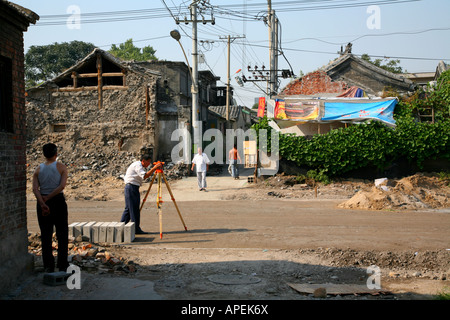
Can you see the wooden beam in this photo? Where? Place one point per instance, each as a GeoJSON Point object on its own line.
{"type": "Point", "coordinates": [75, 79]}
{"type": "Point", "coordinates": [146, 106]}
{"type": "Point", "coordinates": [88, 88]}
{"type": "Point", "coordinates": [70, 89]}
{"type": "Point", "coordinates": [100, 82]}
{"type": "Point", "coordinates": [113, 74]}
{"type": "Point", "coordinates": [87, 75]}
{"type": "Point", "coordinates": [115, 88]}
{"type": "Point", "coordinates": [124, 77]}
{"type": "Point", "coordinates": [107, 74]}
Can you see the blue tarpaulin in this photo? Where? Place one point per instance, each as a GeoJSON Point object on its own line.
{"type": "Point", "coordinates": [353, 111]}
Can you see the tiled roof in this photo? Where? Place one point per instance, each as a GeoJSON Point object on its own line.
{"type": "Point", "coordinates": [221, 111]}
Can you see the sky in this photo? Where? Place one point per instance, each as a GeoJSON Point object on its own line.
{"type": "Point", "coordinates": [416, 32]}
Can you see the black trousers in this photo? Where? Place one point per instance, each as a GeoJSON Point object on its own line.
{"type": "Point", "coordinates": [58, 218]}
{"type": "Point", "coordinates": [132, 201]}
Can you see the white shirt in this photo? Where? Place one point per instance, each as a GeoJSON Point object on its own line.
{"type": "Point", "coordinates": [200, 162]}
{"type": "Point", "coordinates": [135, 174]}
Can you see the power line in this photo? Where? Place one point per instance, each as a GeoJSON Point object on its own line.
{"type": "Point", "coordinates": [375, 56]}
{"type": "Point", "coordinates": [228, 11]}
{"type": "Point", "coordinates": [373, 35]}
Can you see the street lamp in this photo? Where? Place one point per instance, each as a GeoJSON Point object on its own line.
{"type": "Point", "coordinates": [194, 88]}
{"type": "Point", "coordinates": [175, 34]}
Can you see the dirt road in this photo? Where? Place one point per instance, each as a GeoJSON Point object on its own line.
{"type": "Point", "coordinates": [256, 247]}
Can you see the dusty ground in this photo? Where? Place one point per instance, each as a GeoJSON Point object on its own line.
{"type": "Point", "coordinates": [251, 241]}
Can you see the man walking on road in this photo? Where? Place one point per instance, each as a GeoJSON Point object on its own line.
{"type": "Point", "coordinates": [49, 181]}
{"type": "Point", "coordinates": [201, 161]}
{"type": "Point", "coordinates": [233, 157]}
{"type": "Point", "coordinates": [134, 178]}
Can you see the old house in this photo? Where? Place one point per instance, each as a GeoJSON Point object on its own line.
{"type": "Point", "coordinates": [173, 99]}
{"type": "Point", "coordinates": [103, 105]}
{"type": "Point", "coordinates": [239, 118]}
{"type": "Point", "coordinates": [424, 79]}
{"type": "Point", "coordinates": [347, 90]}
{"type": "Point", "coordinates": [14, 257]}
{"type": "Point", "coordinates": [129, 105]}
{"type": "Point", "coordinates": [345, 72]}
{"type": "Point", "coordinates": [100, 101]}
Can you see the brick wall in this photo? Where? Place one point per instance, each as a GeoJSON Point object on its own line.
{"type": "Point", "coordinates": [313, 83]}
{"type": "Point", "coordinates": [14, 258]}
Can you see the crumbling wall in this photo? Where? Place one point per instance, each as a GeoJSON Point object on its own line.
{"type": "Point", "coordinates": [89, 137]}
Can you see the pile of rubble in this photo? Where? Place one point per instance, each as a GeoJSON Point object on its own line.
{"type": "Point", "coordinates": [88, 256]}
{"type": "Point", "coordinates": [94, 168]}
{"type": "Point", "coordinates": [419, 191]}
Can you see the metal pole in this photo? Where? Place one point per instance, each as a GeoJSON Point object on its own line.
{"type": "Point", "coordinates": [271, 46]}
{"type": "Point", "coordinates": [194, 90]}
{"type": "Point", "coordinates": [228, 82]}
{"type": "Point", "coordinates": [275, 54]}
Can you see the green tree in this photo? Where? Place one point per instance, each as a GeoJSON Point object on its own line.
{"type": "Point", "coordinates": [434, 96]}
{"type": "Point", "coordinates": [128, 51]}
{"type": "Point", "coordinates": [390, 65]}
{"type": "Point", "coordinates": [46, 62]}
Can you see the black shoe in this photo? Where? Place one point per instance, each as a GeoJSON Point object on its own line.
{"type": "Point", "coordinates": [140, 232]}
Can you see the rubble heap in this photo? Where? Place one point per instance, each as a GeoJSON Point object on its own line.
{"type": "Point", "coordinates": [419, 191]}
{"type": "Point", "coordinates": [87, 256]}
{"type": "Point", "coordinates": [94, 167]}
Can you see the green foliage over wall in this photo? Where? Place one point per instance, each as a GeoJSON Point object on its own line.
{"type": "Point", "coordinates": [369, 144]}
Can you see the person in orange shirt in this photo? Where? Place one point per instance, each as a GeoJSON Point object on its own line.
{"type": "Point", "coordinates": [233, 156]}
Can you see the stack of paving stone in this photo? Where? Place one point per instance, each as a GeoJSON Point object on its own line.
{"type": "Point", "coordinates": [103, 232]}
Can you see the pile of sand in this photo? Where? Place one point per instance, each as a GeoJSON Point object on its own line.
{"type": "Point", "coordinates": [419, 191]}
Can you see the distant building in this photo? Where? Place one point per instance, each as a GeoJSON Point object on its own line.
{"type": "Point", "coordinates": [345, 72]}
{"type": "Point", "coordinates": [349, 80]}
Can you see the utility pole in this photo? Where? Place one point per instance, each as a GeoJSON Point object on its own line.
{"type": "Point", "coordinates": [228, 74]}
{"type": "Point", "coordinates": [194, 88]}
{"type": "Point", "coordinates": [273, 46]}
{"type": "Point", "coordinates": [269, 76]}
{"type": "Point", "coordinates": [228, 81]}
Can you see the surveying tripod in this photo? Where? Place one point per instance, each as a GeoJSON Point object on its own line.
{"type": "Point", "coordinates": [159, 173]}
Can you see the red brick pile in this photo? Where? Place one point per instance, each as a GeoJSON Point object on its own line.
{"type": "Point", "coordinates": [313, 83]}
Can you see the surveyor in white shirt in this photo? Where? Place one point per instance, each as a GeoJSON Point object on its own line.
{"type": "Point", "coordinates": [134, 177]}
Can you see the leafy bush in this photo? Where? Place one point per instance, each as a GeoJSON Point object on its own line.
{"type": "Point", "coordinates": [341, 150]}
{"type": "Point", "coordinates": [369, 144]}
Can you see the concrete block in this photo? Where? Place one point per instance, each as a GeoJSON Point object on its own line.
{"type": "Point", "coordinates": [96, 232]}
{"type": "Point", "coordinates": [110, 229]}
{"type": "Point", "coordinates": [118, 233]}
{"type": "Point", "coordinates": [87, 229]}
{"type": "Point", "coordinates": [78, 229]}
{"type": "Point", "coordinates": [129, 232]}
{"type": "Point", "coordinates": [72, 228]}
{"type": "Point", "coordinates": [56, 278]}
{"type": "Point", "coordinates": [102, 232]}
